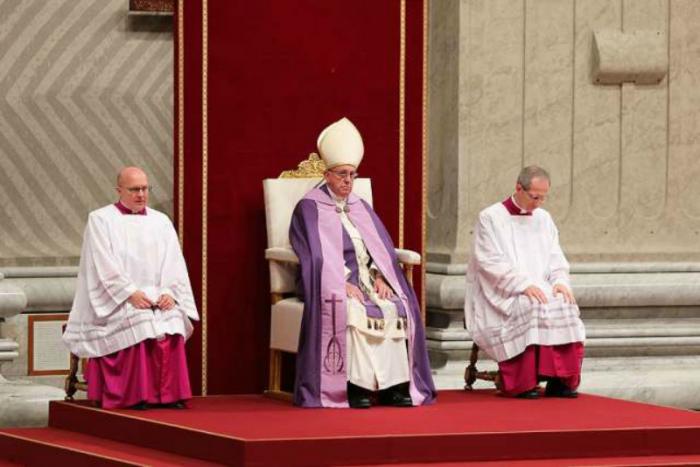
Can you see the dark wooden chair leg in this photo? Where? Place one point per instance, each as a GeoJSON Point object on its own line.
{"type": "Point", "coordinates": [471, 373]}
{"type": "Point", "coordinates": [71, 383]}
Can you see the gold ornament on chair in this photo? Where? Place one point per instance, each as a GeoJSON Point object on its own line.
{"type": "Point", "coordinates": [313, 167]}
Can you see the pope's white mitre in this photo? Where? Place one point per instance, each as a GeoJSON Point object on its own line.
{"type": "Point", "coordinates": [341, 144]}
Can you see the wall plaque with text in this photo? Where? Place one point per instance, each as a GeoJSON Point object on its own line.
{"type": "Point", "coordinates": [47, 353]}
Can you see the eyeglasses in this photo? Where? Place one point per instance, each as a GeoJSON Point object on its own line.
{"type": "Point", "coordinates": [344, 174]}
{"type": "Point", "coordinates": [541, 198]}
{"type": "Point", "coordinates": [139, 189]}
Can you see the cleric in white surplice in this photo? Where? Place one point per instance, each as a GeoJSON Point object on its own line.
{"type": "Point", "coordinates": [519, 307]}
{"type": "Point", "coordinates": [133, 303]}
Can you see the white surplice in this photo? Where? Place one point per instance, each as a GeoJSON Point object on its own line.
{"type": "Point", "coordinates": [510, 254]}
{"type": "Point", "coordinates": [122, 254]}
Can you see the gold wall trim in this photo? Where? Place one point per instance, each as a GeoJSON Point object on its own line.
{"type": "Point", "coordinates": [181, 122]}
{"type": "Point", "coordinates": [402, 122]}
{"type": "Point", "coordinates": [424, 160]}
{"type": "Point", "coordinates": [205, 173]}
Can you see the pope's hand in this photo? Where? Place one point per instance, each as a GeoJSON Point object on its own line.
{"type": "Point", "coordinates": [535, 294]}
{"type": "Point", "coordinates": [354, 292]}
{"type": "Point", "coordinates": [382, 289]}
{"type": "Point", "coordinates": [165, 302]}
{"type": "Point", "coordinates": [564, 290]}
{"type": "Point", "coordinates": [139, 300]}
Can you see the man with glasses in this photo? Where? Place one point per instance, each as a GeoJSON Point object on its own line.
{"type": "Point", "coordinates": [519, 307]}
{"type": "Point", "coordinates": [361, 331]}
{"type": "Point", "coordinates": [133, 303]}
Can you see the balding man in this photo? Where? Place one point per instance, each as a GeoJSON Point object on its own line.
{"type": "Point", "coordinates": [133, 303]}
{"type": "Point", "coordinates": [519, 306]}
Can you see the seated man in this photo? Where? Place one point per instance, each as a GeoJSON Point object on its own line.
{"type": "Point", "coordinates": [519, 307]}
{"type": "Point", "coordinates": [361, 330]}
{"type": "Point", "coordinates": [133, 303]}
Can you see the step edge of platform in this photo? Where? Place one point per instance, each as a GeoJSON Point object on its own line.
{"type": "Point", "coordinates": [59, 447]}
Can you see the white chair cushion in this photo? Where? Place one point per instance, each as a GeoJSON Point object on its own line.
{"type": "Point", "coordinates": [285, 324]}
{"type": "Point", "coordinates": [408, 256]}
{"type": "Point", "coordinates": [283, 194]}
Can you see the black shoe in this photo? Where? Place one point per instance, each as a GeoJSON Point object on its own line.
{"type": "Point", "coordinates": [396, 396]}
{"type": "Point", "coordinates": [531, 394]}
{"type": "Point", "coordinates": [556, 388]}
{"type": "Point", "coordinates": [140, 406]}
{"type": "Point", "coordinates": [174, 405]}
{"type": "Point", "coordinates": [358, 397]}
{"type": "Point", "coordinates": [568, 393]}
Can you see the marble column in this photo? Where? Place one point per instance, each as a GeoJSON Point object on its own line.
{"type": "Point", "coordinates": [448, 240]}
{"type": "Point", "coordinates": [12, 301]}
{"type": "Point", "coordinates": [22, 402]}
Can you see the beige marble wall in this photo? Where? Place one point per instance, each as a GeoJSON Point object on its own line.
{"type": "Point", "coordinates": [85, 90]}
{"type": "Point", "coordinates": [624, 158]}
{"type": "Point", "coordinates": [447, 195]}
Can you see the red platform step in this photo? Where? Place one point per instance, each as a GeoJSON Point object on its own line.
{"type": "Point", "coordinates": [51, 446]}
{"type": "Point", "coordinates": [462, 427]}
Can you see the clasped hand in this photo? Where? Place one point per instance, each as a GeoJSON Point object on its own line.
{"type": "Point", "coordinates": [139, 300]}
{"type": "Point", "coordinates": [535, 294]}
{"type": "Point", "coordinates": [354, 291]}
{"type": "Point", "coordinates": [380, 286]}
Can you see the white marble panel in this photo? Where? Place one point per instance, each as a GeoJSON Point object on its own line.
{"type": "Point", "coordinates": [549, 44]}
{"type": "Point", "coordinates": [684, 108]}
{"type": "Point", "coordinates": [491, 111]}
{"type": "Point", "coordinates": [644, 132]}
{"type": "Point", "coordinates": [596, 166]}
{"type": "Point", "coordinates": [445, 171]}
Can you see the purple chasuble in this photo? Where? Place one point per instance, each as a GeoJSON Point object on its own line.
{"type": "Point", "coordinates": [320, 242]}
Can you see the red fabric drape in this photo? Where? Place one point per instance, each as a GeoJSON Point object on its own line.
{"type": "Point", "coordinates": [278, 73]}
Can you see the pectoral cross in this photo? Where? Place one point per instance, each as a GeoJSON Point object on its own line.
{"type": "Point", "coordinates": [333, 362]}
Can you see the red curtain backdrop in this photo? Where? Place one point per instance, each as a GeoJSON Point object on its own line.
{"type": "Point", "coordinates": [278, 72]}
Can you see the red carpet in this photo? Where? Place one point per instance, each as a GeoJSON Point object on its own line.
{"type": "Point", "coordinates": [476, 427]}
{"type": "Point", "coordinates": [590, 461]}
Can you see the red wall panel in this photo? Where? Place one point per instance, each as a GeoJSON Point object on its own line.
{"type": "Point", "coordinates": [278, 72]}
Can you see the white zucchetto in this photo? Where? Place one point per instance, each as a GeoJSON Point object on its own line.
{"type": "Point", "coordinates": [341, 144]}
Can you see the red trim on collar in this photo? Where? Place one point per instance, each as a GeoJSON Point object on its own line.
{"type": "Point", "coordinates": [514, 210]}
{"type": "Point", "coordinates": [124, 210]}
